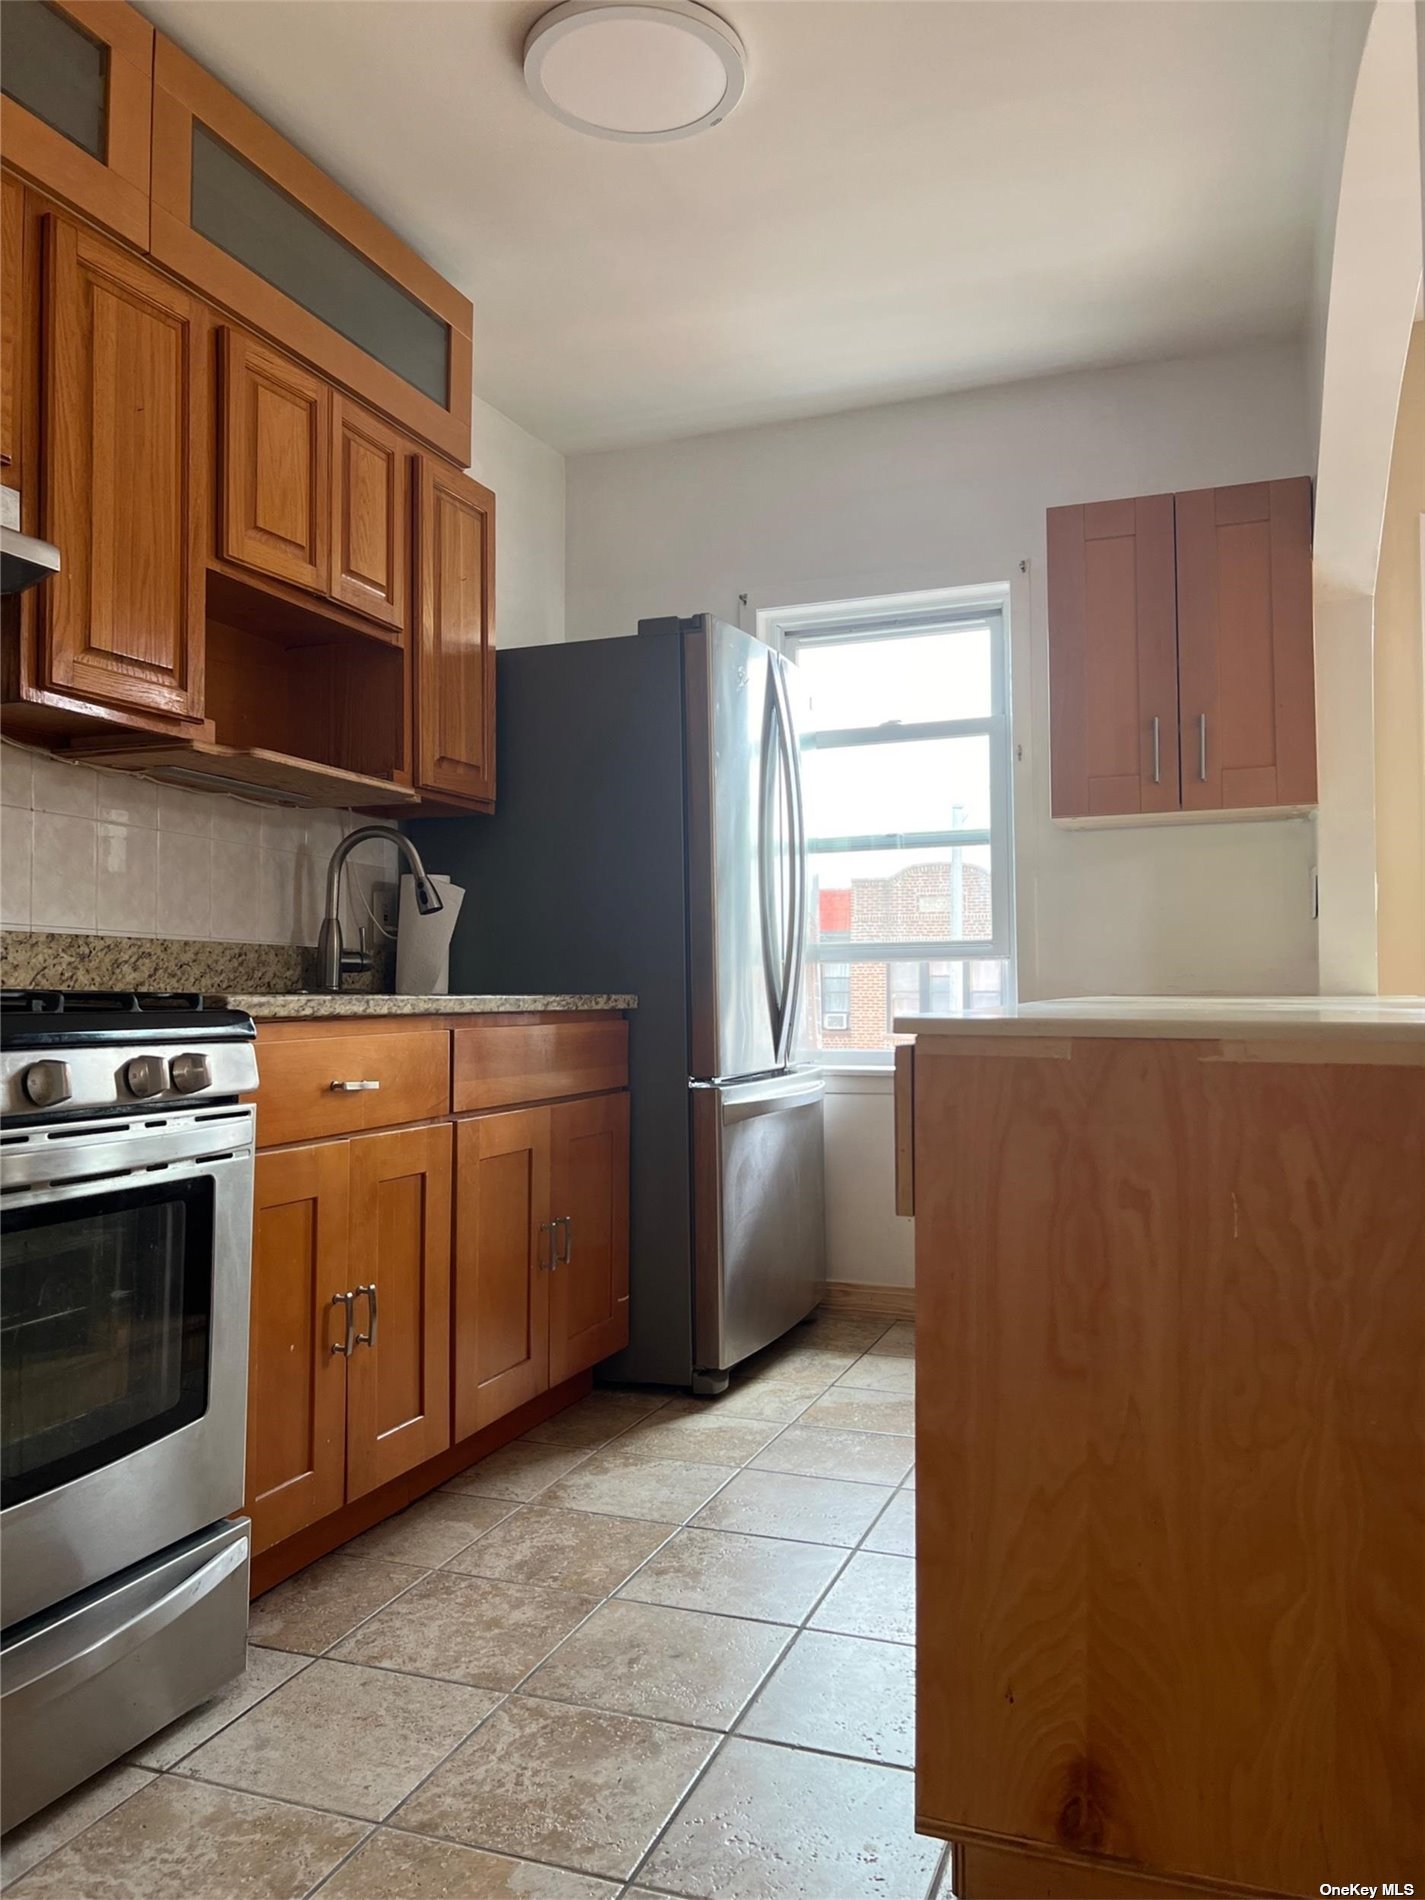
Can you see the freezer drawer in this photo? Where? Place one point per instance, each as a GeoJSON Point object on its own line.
{"type": "Point", "coordinates": [87, 1682]}
{"type": "Point", "coordinates": [759, 1234]}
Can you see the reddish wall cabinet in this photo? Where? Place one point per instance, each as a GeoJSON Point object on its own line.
{"type": "Point", "coordinates": [1180, 652]}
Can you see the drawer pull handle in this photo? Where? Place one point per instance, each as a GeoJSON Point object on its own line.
{"type": "Point", "coordinates": [354, 1088]}
{"type": "Point", "coordinates": [563, 1254]}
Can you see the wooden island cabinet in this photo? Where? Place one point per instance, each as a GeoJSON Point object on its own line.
{"type": "Point", "coordinates": [1170, 1284]}
{"type": "Point", "coordinates": [440, 1254]}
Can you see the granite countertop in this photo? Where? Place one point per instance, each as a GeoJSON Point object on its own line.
{"type": "Point", "coordinates": [1382, 1019]}
{"type": "Point", "coordinates": [304, 1005]}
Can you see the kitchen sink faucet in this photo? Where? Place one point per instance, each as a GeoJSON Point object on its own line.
{"type": "Point", "coordinates": [332, 961]}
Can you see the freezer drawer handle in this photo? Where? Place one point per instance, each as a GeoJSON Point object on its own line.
{"type": "Point", "coordinates": [113, 1647]}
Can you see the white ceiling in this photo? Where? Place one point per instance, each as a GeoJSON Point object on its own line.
{"type": "Point", "coordinates": [914, 195]}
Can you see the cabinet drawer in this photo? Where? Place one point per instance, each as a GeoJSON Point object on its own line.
{"type": "Point", "coordinates": [300, 1096]}
{"type": "Point", "coordinates": [500, 1064]}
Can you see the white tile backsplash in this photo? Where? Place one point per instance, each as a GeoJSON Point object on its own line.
{"type": "Point", "coordinates": [83, 849]}
{"type": "Point", "coordinates": [62, 874]}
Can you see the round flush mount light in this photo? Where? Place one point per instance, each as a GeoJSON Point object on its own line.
{"type": "Point", "coordinates": [644, 70]}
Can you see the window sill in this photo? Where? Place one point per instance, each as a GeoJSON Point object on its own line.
{"type": "Point", "coordinates": [848, 1079]}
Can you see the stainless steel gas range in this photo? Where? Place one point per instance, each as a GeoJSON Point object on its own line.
{"type": "Point", "coordinates": [126, 1212]}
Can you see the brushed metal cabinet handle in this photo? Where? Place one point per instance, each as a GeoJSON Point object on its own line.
{"type": "Point", "coordinates": [1157, 750]}
{"type": "Point", "coordinates": [564, 1254]}
{"type": "Point", "coordinates": [347, 1300]}
{"type": "Point", "coordinates": [354, 1088]}
{"type": "Point", "coordinates": [368, 1338]}
{"type": "Point", "coordinates": [1202, 747]}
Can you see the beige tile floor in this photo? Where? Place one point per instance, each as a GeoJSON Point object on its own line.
{"type": "Point", "coordinates": [660, 1646]}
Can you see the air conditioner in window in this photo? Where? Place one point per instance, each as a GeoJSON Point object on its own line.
{"type": "Point", "coordinates": [835, 1019]}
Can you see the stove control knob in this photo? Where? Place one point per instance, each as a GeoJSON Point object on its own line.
{"type": "Point", "coordinates": [146, 1075]}
{"type": "Point", "coordinates": [190, 1073]}
{"type": "Point", "coordinates": [47, 1083]}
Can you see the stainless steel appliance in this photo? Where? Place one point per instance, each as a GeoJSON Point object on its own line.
{"type": "Point", "coordinates": [24, 561]}
{"type": "Point", "coordinates": [126, 1209]}
{"type": "Point", "coordinates": [649, 838]}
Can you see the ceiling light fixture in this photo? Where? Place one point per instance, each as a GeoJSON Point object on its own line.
{"type": "Point", "coordinates": [644, 70]}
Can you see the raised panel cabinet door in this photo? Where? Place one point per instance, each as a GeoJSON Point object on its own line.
{"type": "Point", "coordinates": [370, 513]}
{"type": "Point", "coordinates": [398, 1377]}
{"type": "Point", "coordinates": [504, 1248]}
{"type": "Point", "coordinates": [455, 627]}
{"type": "Point", "coordinates": [274, 501]}
{"type": "Point", "coordinates": [588, 1289]}
{"type": "Point", "coordinates": [1113, 691]}
{"type": "Point", "coordinates": [12, 319]}
{"type": "Point", "coordinates": [1245, 646]}
{"type": "Point", "coordinates": [296, 1411]}
{"type": "Point", "coordinates": [125, 478]}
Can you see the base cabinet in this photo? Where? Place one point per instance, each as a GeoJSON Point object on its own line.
{"type": "Point", "coordinates": [541, 1228]}
{"type": "Point", "coordinates": [350, 1347]}
{"type": "Point", "coordinates": [420, 1276]}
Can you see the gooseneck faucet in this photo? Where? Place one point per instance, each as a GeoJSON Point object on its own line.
{"type": "Point", "coordinates": [332, 961]}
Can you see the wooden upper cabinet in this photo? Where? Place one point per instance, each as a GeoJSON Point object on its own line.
{"type": "Point", "coordinates": [78, 82]}
{"type": "Point", "coordinates": [242, 215]}
{"type": "Point", "coordinates": [13, 355]}
{"type": "Point", "coordinates": [370, 515]}
{"type": "Point", "coordinates": [1113, 658]}
{"type": "Point", "coordinates": [1245, 646]}
{"type": "Point", "coordinates": [455, 637]}
{"type": "Point", "coordinates": [274, 503]}
{"type": "Point", "coordinates": [125, 478]}
{"type": "Point", "coordinates": [296, 1415]}
{"type": "Point", "coordinates": [1180, 652]}
{"type": "Point", "coordinates": [398, 1375]}
{"type": "Point", "coordinates": [503, 1254]}
{"type": "Point", "coordinates": [588, 1293]}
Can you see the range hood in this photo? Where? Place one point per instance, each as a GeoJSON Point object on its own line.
{"type": "Point", "coordinates": [23, 559]}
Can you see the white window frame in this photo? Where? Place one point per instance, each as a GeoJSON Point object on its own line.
{"type": "Point", "coordinates": [788, 629]}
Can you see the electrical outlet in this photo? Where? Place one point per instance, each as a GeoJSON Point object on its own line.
{"type": "Point", "coordinates": [385, 902]}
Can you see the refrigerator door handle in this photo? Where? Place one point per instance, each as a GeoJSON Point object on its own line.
{"type": "Point", "coordinates": [770, 765]}
{"type": "Point", "coordinates": [795, 945]}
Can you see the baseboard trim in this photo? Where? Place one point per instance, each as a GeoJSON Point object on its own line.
{"type": "Point", "coordinates": [868, 1302]}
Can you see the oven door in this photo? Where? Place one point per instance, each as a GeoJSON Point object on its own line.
{"type": "Point", "coordinates": [123, 1320]}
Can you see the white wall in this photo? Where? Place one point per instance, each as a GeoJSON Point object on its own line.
{"type": "Point", "coordinates": [528, 479]}
{"type": "Point", "coordinates": [952, 492]}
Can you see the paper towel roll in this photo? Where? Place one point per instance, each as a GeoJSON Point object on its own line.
{"type": "Point", "coordinates": [423, 943]}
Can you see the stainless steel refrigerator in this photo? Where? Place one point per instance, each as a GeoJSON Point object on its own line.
{"type": "Point", "coordinates": [648, 837]}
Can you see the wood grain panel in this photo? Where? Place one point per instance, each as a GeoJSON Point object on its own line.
{"type": "Point", "coordinates": [905, 1127]}
{"type": "Point", "coordinates": [503, 1250]}
{"type": "Point", "coordinates": [1112, 658]}
{"type": "Point", "coordinates": [299, 1064]}
{"type": "Point", "coordinates": [500, 1064]}
{"type": "Point", "coordinates": [370, 514]}
{"type": "Point", "coordinates": [296, 1417]}
{"type": "Point", "coordinates": [125, 478]}
{"type": "Point", "coordinates": [1173, 1487]}
{"type": "Point", "coordinates": [1245, 645]}
{"type": "Point", "coordinates": [398, 1384]}
{"type": "Point", "coordinates": [183, 92]}
{"type": "Point", "coordinates": [275, 500]}
{"type": "Point", "coordinates": [455, 637]}
{"type": "Point", "coordinates": [13, 350]}
{"type": "Point", "coordinates": [991, 1872]}
{"type": "Point", "coordinates": [588, 1294]}
{"type": "Point", "coordinates": [113, 190]}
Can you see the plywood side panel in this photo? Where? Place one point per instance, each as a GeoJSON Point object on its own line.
{"type": "Point", "coordinates": [1173, 1486]}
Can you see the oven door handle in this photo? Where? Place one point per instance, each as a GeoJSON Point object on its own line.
{"type": "Point", "coordinates": [48, 1684]}
{"type": "Point", "coordinates": [92, 1162]}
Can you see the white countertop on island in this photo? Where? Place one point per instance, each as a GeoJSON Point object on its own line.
{"type": "Point", "coordinates": [1391, 1019]}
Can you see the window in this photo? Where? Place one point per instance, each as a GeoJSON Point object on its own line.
{"type": "Point", "coordinates": [835, 996]}
{"type": "Point", "coordinates": [905, 771]}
